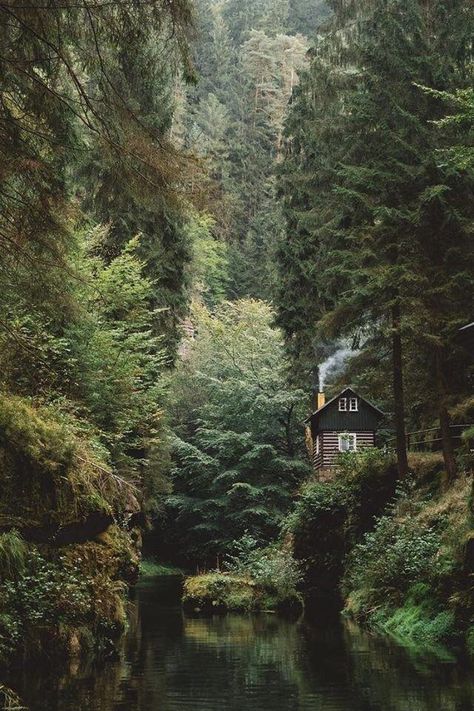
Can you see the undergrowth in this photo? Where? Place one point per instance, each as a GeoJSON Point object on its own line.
{"type": "Point", "coordinates": [401, 555]}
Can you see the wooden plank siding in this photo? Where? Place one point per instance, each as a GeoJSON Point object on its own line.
{"type": "Point", "coordinates": [329, 447]}
{"type": "Point", "coordinates": [317, 457]}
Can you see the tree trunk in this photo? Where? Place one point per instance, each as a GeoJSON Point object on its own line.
{"type": "Point", "coordinates": [444, 421]}
{"type": "Point", "coordinates": [398, 393]}
{"type": "Point", "coordinates": [290, 447]}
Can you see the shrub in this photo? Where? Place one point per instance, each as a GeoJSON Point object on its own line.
{"type": "Point", "coordinates": [272, 568]}
{"type": "Point", "coordinates": [256, 578]}
{"type": "Point", "coordinates": [60, 596]}
{"type": "Point", "coordinates": [392, 557]}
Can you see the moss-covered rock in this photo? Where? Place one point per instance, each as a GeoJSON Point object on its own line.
{"type": "Point", "coordinates": [67, 554]}
{"type": "Point", "coordinates": [218, 591]}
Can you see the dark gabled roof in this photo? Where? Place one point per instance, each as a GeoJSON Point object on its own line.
{"type": "Point", "coordinates": [342, 394]}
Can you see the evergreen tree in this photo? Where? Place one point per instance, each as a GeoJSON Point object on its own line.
{"type": "Point", "coordinates": [236, 440]}
{"type": "Point", "coordinates": [388, 235]}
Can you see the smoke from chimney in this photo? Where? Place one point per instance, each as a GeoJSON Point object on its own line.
{"type": "Point", "coordinates": [333, 365]}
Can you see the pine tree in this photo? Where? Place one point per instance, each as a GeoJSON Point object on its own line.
{"type": "Point", "coordinates": [387, 228]}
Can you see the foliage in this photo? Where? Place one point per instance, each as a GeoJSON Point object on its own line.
{"type": "Point", "coordinates": [417, 622]}
{"type": "Point", "coordinates": [12, 554]}
{"type": "Point", "coordinates": [273, 567]}
{"type": "Point", "coordinates": [376, 183]}
{"type": "Point", "coordinates": [336, 514]}
{"type": "Point", "coordinates": [255, 578]}
{"type": "Point", "coordinates": [59, 595]}
{"type": "Point", "coordinates": [248, 55]}
{"type": "Point", "coordinates": [393, 557]}
{"type": "Point", "coordinates": [210, 263]}
{"type": "Point", "coordinates": [409, 576]}
{"type": "Point", "coordinates": [236, 442]}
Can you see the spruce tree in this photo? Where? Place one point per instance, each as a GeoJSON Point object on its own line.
{"type": "Point", "coordinates": [388, 233]}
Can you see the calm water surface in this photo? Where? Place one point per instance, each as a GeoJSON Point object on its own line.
{"type": "Point", "coordinates": [173, 662]}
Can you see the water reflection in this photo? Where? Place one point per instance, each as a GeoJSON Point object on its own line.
{"type": "Point", "coordinates": [172, 662]}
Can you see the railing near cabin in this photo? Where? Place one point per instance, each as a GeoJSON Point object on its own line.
{"type": "Point", "coordinates": [429, 440]}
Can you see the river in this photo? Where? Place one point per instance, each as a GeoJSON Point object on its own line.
{"type": "Point", "coordinates": [174, 662]}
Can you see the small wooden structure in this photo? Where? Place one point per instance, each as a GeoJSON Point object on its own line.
{"type": "Point", "coordinates": [347, 423]}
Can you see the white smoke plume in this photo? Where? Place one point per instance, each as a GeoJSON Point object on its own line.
{"type": "Point", "coordinates": [334, 364]}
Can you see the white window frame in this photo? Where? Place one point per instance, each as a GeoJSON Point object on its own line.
{"type": "Point", "coordinates": [317, 445]}
{"type": "Point", "coordinates": [349, 438]}
{"type": "Point", "coordinates": [353, 404]}
{"type": "Point", "coordinates": [342, 404]}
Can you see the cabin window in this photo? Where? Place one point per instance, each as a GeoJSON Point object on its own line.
{"type": "Point", "coordinates": [342, 404]}
{"type": "Point", "coordinates": [347, 442]}
{"type": "Point", "coordinates": [353, 404]}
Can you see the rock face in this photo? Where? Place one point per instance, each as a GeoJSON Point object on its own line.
{"type": "Point", "coordinates": [69, 539]}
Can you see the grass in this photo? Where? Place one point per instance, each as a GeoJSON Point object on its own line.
{"type": "Point", "coordinates": [13, 551]}
{"type": "Point", "coordinates": [153, 569]}
{"type": "Point", "coordinates": [231, 591]}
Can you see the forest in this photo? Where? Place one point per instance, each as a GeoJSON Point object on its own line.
{"type": "Point", "coordinates": [210, 211]}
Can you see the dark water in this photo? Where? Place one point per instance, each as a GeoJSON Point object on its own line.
{"type": "Point", "coordinates": [173, 662]}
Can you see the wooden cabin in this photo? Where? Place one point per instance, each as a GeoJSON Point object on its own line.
{"type": "Point", "coordinates": [347, 423]}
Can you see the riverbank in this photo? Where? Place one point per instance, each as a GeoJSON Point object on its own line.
{"type": "Point", "coordinates": [399, 555]}
{"type": "Point", "coordinates": [254, 662]}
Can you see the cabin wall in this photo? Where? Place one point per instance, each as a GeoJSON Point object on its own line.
{"type": "Point", "coordinates": [330, 445]}
{"type": "Point", "coordinates": [317, 456]}
{"type": "Point", "coordinates": [364, 419]}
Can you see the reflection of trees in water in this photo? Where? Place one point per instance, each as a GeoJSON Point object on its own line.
{"type": "Point", "coordinates": [173, 662]}
{"type": "Point", "coordinates": [394, 679]}
{"type": "Point", "coordinates": [70, 687]}
{"type": "Point", "coordinates": [263, 644]}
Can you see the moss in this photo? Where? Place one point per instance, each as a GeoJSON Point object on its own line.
{"type": "Point", "coordinates": [219, 591]}
{"type": "Point", "coordinates": [50, 473]}
{"type": "Point", "coordinates": [66, 593]}
{"type": "Point", "coordinates": [226, 591]}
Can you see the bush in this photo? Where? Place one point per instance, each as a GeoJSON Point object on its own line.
{"type": "Point", "coordinates": [272, 568]}
{"type": "Point", "coordinates": [59, 597]}
{"type": "Point", "coordinates": [336, 515]}
{"type": "Point", "coordinates": [256, 578]}
{"type": "Point", "coordinates": [391, 558]}
{"type": "Point", "coordinates": [408, 576]}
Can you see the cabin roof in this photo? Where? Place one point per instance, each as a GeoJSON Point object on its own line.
{"type": "Point", "coordinates": [344, 392]}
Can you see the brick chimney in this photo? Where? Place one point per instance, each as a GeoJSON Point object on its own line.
{"type": "Point", "coordinates": [320, 400]}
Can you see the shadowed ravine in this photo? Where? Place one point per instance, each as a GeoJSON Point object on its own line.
{"type": "Point", "coordinates": [173, 662]}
